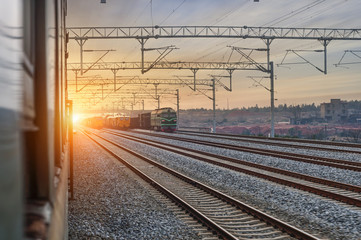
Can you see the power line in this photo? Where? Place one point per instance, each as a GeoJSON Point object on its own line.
{"type": "Point", "coordinates": [293, 13]}
{"type": "Point", "coordinates": [213, 52]}
{"type": "Point", "coordinates": [174, 10]}
{"type": "Point", "coordinates": [151, 11]}
{"type": "Point", "coordinates": [320, 12]}
{"type": "Point", "coordinates": [227, 14]}
{"type": "Point", "coordinates": [140, 14]}
{"type": "Point", "coordinates": [272, 22]}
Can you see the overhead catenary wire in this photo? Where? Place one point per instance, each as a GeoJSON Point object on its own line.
{"type": "Point", "coordinates": [293, 13]}
{"type": "Point", "coordinates": [227, 14]}
{"type": "Point", "coordinates": [151, 11]}
{"type": "Point", "coordinates": [322, 11]}
{"type": "Point", "coordinates": [141, 13]}
{"type": "Point", "coordinates": [230, 12]}
{"type": "Point", "coordinates": [272, 22]}
{"type": "Point", "coordinates": [172, 12]}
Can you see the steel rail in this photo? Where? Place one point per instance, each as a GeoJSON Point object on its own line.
{"type": "Point", "coordinates": [328, 143]}
{"type": "Point", "coordinates": [291, 230]}
{"type": "Point", "coordinates": [328, 183]}
{"type": "Point", "coordinates": [343, 164]}
{"type": "Point", "coordinates": [234, 138]}
{"type": "Point", "coordinates": [194, 212]}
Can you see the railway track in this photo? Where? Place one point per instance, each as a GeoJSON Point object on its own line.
{"type": "Point", "coordinates": [345, 193]}
{"type": "Point", "coordinates": [330, 162]}
{"type": "Point", "coordinates": [318, 142]}
{"type": "Point", "coordinates": [273, 142]}
{"type": "Point", "coordinates": [224, 215]}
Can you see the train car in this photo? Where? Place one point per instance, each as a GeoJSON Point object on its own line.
{"type": "Point", "coordinates": [34, 120]}
{"type": "Point", "coordinates": [96, 122]}
{"type": "Point", "coordinates": [124, 122]}
{"type": "Point", "coordinates": [107, 121]}
{"type": "Point", "coordinates": [134, 122]}
{"type": "Point", "coordinates": [127, 122]}
{"type": "Point", "coordinates": [117, 122]}
{"type": "Point", "coordinates": [144, 120]}
{"type": "Point", "coordinates": [112, 122]}
{"type": "Point", "coordinates": [93, 122]}
{"type": "Point", "coordinates": [86, 122]}
{"type": "Point", "coordinates": [163, 119]}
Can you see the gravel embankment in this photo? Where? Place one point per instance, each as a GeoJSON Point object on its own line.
{"type": "Point", "coordinates": [309, 212]}
{"type": "Point", "coordinates": [322, 153]}
{"type": "Point", "coordinates": [339, 175]}
{"type": "Point", "coordinates": [254, 141]}
{"type": "Point", "coordinates": [111, 204]}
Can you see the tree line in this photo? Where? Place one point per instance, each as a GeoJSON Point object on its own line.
{"type": "Point", "coordinates": [354, 104]}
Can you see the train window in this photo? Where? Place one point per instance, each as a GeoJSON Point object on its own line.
{"type": "Point", "coordinates": [29, 30]}
{"type": "Point", "coordinates": [28, 65]}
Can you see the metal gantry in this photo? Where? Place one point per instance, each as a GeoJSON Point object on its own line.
{"type": "Point", "coordinates": [144, 33]}
{"type": "Point", "coordinates": [128, 80]}
{"type": "Point", "coordinates": [213, 32]}
{"type": "Point", "coordinates": [94, 96]}
{"type": "Point", "coordinates": [304, 60]}
{"type": "Point", "coordinates": [267, 34]}
{"type": "Point", "coordinates": [354, 53]}
{"type": "Point", "coordinates": [269, 70]}
{"type": "Point", "coordinates": [230, 67]}
{"type": "Point", "coordinates": [169, 65]}
{"type": "Point", "coordinates": [131, 81]}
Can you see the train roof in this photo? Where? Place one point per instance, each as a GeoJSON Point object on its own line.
{"type": "Point", "coordinates": [167, 109]}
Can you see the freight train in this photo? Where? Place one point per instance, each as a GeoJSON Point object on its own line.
{"type": "Point", "coordinates": [94, 122]}
{"type": "Point", "coordinates": [163, 119]}
{"type": "Point", "coordinates": [34, 126]}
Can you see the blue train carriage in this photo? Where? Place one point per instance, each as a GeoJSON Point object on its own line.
{"type": "Point", "coordinates": [34, 124]}
{"type": "Point", "coordinates": [164, 119]}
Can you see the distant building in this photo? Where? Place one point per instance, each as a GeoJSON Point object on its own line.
{"type": "Point", "coordinates": [335, 111]}
{"type": "Point", "coordinates": [305, 118]}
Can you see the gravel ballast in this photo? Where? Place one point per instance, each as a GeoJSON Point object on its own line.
{"type": "Point", "coordinates": [339, 175]}
{"type": "Point", "coordinates": [306, 211]}
{"type": "Point", "coordinates": [312, 152]}
{"type": "Point", "coordinates": [111, 203]}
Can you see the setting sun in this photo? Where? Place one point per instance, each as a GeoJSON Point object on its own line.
{"type": "Point", "coordinates": [75, 118]}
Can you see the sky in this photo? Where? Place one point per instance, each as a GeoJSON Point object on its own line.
{"type": "Point", "coordinates": [294, 84]}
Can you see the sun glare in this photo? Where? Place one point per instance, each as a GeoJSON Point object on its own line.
{"type": "Point", "coordinates": [75, 118]}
